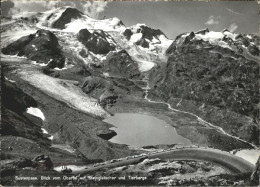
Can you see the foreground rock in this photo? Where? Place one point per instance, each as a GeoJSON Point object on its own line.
{"type": "Point", "coordinates": [9, 168]}
{"type": "Point", "coordinates": [42, 47]}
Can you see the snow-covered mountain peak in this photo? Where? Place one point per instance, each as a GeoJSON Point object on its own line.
{"type": "Point", "coordinates": [69, 19]}
{"type": "Point", "coordinates": [147, 38]}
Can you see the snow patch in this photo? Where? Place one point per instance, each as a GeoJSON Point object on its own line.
{"type": "Point", "coordinates": [230, 35]}
{"type": "Point", "coordinates": [106, 74]}
{"type": "Point", "coordinates": [64, 147]}
{"type": "Point", "coordinates": [35, 48]}
{"type": "Point", "coordinates": [35, 112]}
{"type": "Point", "coordinates": [215, 38]}
{"type": "Point", "coordinates": [39, 64]}
{"type": "Point", "coordinates": [211, 36]}
{"type": "Point", "coordinates": [250, 37]}
{"type": "Point", "coordinates": [145, 66]}
{"type": "Point", "coordinates": [12, 81]}
{"type": "Point", "coordinates": [49, 61]}
{"type": "Point", "coordinates": [44, 131]}
{"type": "Point", "coordinates": [136, 37]}
{"type": "Point", "coordinates": [72, 167]}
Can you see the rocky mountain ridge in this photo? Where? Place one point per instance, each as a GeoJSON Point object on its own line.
{"type": "Point", "coordinates": [219, 69]}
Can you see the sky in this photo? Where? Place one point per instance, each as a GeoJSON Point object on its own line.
{"type": "Point", "coordinates": [172, 17]}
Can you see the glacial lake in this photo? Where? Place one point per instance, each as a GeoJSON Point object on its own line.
{"type": "Point", "coordinates": [141, 130]}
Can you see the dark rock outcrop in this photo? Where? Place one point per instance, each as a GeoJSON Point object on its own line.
{"type": "Point", "coordinates": [147, 34]}
{"type": "Point", "coordinates": [15, 99]}
{"type": "Point", "coordinates": [66, 17]}
{"type": "Point", "coordinates": [254, 50]}
{"type": "Point", "coordinates": [93, 83]}
{"type": "Point", "coordinates": [121, 64]}
{"type": "Point", "coordinates": [96, 42]}
{"type": "Point", "coordinates": [82, 70]}
{"type": "Point", "coordinates": [43, 162]}
{"type": "Point", "coordinates": [42, 47]}
{"type": "Point", "coordinates": [108, 97]}
{"type": "Point", "coordinates": [101, 89]}
{"type": "Point", "coordinates": [48, 71]}
{"type": "Point", "coordinates": [243, 40]}
{"type": "Point", "coordinates": [65, 169]}
{"type": "Point", "coordinates": [143, 43]}
{"type": "Point", "coordinates": [106, 135]}
{"type": "Point", "coordinates": [203, 31]}
{"type": "Point", "coordinates": [84, 35]}
{"type": "Point", "coordinates": [128, 33]}
{"type": "Point", "coordinates": [14, 103]}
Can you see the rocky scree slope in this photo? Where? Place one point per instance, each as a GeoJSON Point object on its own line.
{"type": "Point", "coordinates": [221, 73]}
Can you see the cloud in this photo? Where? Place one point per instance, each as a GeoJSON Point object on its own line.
{"type": "Point", "coordinates": [91, 8]}
{"type": "Point", "coordinates": [33, 6]}
{"type": "Point", "coordinates": [213, 20]}
{"type": "Point", "coordinates": [234, 12]}
{"type": "Point", "coordinates": [233, 27]}
{"type": "Point", "coordinates": [94, 8]}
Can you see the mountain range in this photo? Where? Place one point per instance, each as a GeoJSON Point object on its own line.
{"type": "Point", "coordinates": [78, 70]}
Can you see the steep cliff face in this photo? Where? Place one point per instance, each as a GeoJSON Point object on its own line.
{"type": "Point", "coordinates": [218, 74]}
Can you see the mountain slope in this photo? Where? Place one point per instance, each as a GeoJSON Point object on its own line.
{"type": "Point", "coordinates": [219, 70]}
{"type": "Point", "coordinates": [78, 71]}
